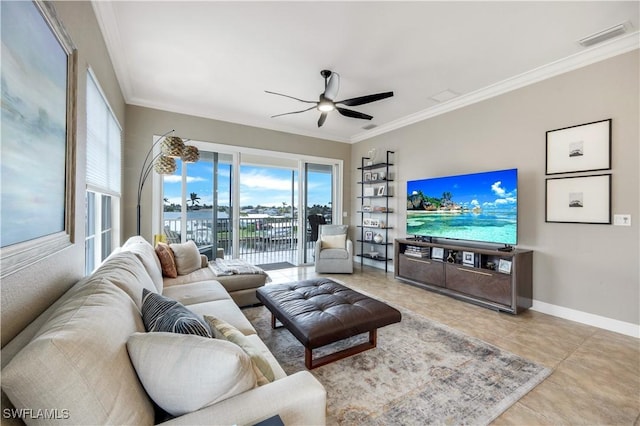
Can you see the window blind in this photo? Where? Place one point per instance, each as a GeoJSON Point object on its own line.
{"type": "Point", "coordinates": [104, 144]}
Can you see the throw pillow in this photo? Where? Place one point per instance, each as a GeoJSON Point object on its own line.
{"type": "Point", "coordinates": [334, 241]}
{"type": "Point", "coordinates": [187, 257]}
{"type": "Point", "coordinates": [222, 329]}
{"type": "Point", "coordinates": [167, 261]}
{"type": "Point", "coordinates": [183, 373]}
{"type": "Point", "coordinates": [204, 262]}
{"type": "Point", "coordinates": [160, 313]}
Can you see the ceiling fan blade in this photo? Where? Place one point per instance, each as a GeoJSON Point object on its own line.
{"type": "Point", "coordinates": [322, 119]}
{"type": "Point", "coordinates": [365, 99]}
{"type": "Point", "coordinates": [333, 85]}
{"type": "Point", "coordinates": [294, 112]}
{"type": "Point", "coordinates": [287, 96]}
{"type": "Point", "coordinates": [353, 114]}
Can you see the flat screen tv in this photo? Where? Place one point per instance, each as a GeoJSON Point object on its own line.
{"type": "Point", "coordinates": [479, 207]}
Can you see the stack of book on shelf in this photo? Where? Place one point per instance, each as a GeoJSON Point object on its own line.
{"type": "Point", "coordinates": [416, 251]}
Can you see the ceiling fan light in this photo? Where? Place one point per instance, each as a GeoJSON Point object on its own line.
{"type": "Point", "coordinates": [326, 106]}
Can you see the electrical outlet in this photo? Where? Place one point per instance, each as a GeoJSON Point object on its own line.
{"type": "Point", "coordinates": [622, 219]}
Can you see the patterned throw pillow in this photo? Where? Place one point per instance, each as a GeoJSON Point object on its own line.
{"type": "Point", "coordinates": [167, 261]}
{"type": "Point", "coordinates": [160, 313]}
{"type": "Point", "coordinates": [224, 330]}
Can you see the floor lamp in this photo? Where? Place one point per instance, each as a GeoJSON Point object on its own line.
{"type": "Point", "coordinates": [164, 162]}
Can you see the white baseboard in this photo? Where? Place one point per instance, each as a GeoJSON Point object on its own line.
{"type": "Point", "coordinates": [610, 324]}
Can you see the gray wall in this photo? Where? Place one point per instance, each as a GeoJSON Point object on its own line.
{"type": "Point", "coordinates": [589, 268]}
{"type": "Point", "coordinates": [26, 293]}
{"type": "Point", "coordinates": [143, 123]}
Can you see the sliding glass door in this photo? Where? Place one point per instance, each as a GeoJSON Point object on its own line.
{"type": "Point", "coordinates": [197, 203]}
{"type": "Point", "coordinates": [318, 208]}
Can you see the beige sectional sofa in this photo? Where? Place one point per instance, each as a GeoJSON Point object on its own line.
{"type": "Point", "coordinates": [88, 360]}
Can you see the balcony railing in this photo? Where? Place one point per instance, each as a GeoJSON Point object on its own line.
{"type": "Point", "coordinates": [261, 240]}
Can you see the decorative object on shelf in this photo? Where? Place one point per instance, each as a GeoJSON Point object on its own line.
{"type": "Point", "coordinates": [374, 177]}
{"type": "Point", "coordinates": [371, 223]}
{"type": "Point", "coordinates": [381, 190]}
{"type": "Point", "coordinates": [437, 253]}
{"type": "Point", "coordinates": [374, 254]}
{"type": "Point", "coordinates": [164, 162]}
{"type": "Point", "coordinates": [468, 258]}
{"type": "Point", "coordinates": [491, 266]}
{"type": "Point", "coordinates": [367, 177]}
{"type": "Point", "coordinates": [504, 266]}
{"type": "Point", "coordinates": [382, 176]}
{"type": "Point", "coordinates": [451, 257]}
{"type": "Point", "coordinates": [378, 238]}
{"type": "Point", "coordinates": [581, 148]}
{"type": "Point", "coordinates": [366, 208]}
{"type": "Point", "coordinates": [580, 199]}
{"type": "Point", "coordinates": [372, 156]}
{"type": "Point", "coordinates": [368, 192]}
{"type": "Point", "coordinates": [368, 235]}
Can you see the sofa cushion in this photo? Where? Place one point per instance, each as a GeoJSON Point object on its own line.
{"type": "Point", "coordinates": [161, 313]}
{"type": "Point", "coordinates": [167, 260]}
{"type": "Point", "coordinates": [187, 257]}
{"type": "Point", "coordinates": [200, 292]}
{"type": "Point", "coordinates": [184, 373]}
{"type": "Point", "coordinates": [226, 310]}
{"type": "Point", "coordinates": [126, 271]}
{"type": "Point", "coordinates": [78, 361]}
{"type": "Point", "coordinates": [147, 255]}
{"type": "Point", "coordinates": [224, 330]}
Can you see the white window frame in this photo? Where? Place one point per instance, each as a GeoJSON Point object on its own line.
{"type": "Point", "coordinates": [115, 196]}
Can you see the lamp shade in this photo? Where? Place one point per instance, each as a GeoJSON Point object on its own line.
{"type": "Point", "coordinates": [190, 154]}
{"type": "Point", "coordinates": [165, 165]}
{"type": "Point", "coordinates": [172, 146]}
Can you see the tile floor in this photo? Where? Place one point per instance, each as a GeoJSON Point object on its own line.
{"type": "Point", "coordinates": [596, 373]}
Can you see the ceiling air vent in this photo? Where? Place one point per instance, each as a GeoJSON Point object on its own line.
{"type": "Point", "coordinates": [369, 126]}
{"type": "Point", "coordinates": [603, 35]}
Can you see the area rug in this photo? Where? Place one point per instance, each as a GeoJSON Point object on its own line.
{"type": "Point", "coordinates": [275, 266]}
{"type": "Point", "coordinates": [421, 373]}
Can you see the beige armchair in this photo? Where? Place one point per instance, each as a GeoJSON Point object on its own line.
{"type": "Point", "coordinates": [334, 250]}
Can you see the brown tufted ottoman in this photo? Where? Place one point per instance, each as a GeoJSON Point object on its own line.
{"type": "Point", "coordinates": [321, 311]}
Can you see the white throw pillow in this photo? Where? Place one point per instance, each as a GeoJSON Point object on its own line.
{"type": "Point", "coordinates": [333, 241]}
{"type": "Point", "coordinates": [183, 373]}
{"type": "Point", "coordinates": [187, 257]}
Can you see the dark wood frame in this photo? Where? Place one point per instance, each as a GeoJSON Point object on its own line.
{"type": "Point", "coordinates": [606, 199]}
{"type": "Point", "coordinates": [585, 128]}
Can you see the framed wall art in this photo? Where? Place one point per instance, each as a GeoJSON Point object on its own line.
{"type": "Point", "coordinates": [38, 135]}
{"type": "Point", "coordinates": [586, 147]}
{"type": "Point", "coordinates": [579, 199]}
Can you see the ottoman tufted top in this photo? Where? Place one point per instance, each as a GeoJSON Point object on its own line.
{"type": "Point", "coordinates": [321, 311]}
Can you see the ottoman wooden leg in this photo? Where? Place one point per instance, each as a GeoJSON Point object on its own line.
{"type": "Point", "coordinates": [310, 363]}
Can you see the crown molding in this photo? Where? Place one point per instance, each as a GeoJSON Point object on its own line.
{"type": "Point", "coordinates": [589, 56]}
{"type": "Point", "coordinates": [106, 17]}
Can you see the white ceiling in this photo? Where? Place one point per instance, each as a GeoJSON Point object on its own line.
{"type": "Point", "coordinates": [215, 59]}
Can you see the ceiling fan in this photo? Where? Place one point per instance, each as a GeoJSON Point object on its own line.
{"type": "Point", "coordinates": [326, 102]}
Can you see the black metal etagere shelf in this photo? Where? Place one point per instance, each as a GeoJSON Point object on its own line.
{"type": "Point", "coordinates": [374, 240]}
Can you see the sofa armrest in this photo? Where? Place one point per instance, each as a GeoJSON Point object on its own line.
{"type": "Point", "coordinates": [299, 399]}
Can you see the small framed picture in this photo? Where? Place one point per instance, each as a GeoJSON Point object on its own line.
{"type": "Point", "coordinates": [437, 253]}
{"type": "Point", "coordinates": [468, 258]}
{"type": "Point", "coordinates": [368, 192]}
{"type": "Point", "coordinates": [504, 266]}
{"type": "Point", "coordinates": [374, 176]}
{"type": "Point", "coordinates": [367, 176]}
{"type": "Point", "coordinates": [374, 223]}
{"type": "Point", "coordinates": [368, 235]}
{"type": "Point", "coordinates": [366, 221]}
{"type": "Point", "coordinates": [381, 189]}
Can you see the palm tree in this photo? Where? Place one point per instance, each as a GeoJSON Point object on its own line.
{"type": "Point", "coordinates": [194, 199]}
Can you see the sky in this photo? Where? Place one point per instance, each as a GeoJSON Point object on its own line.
{"type": "Point", "coordinates": [483, 189]}
{"type": "Point", "coordinates": [267, 186]}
